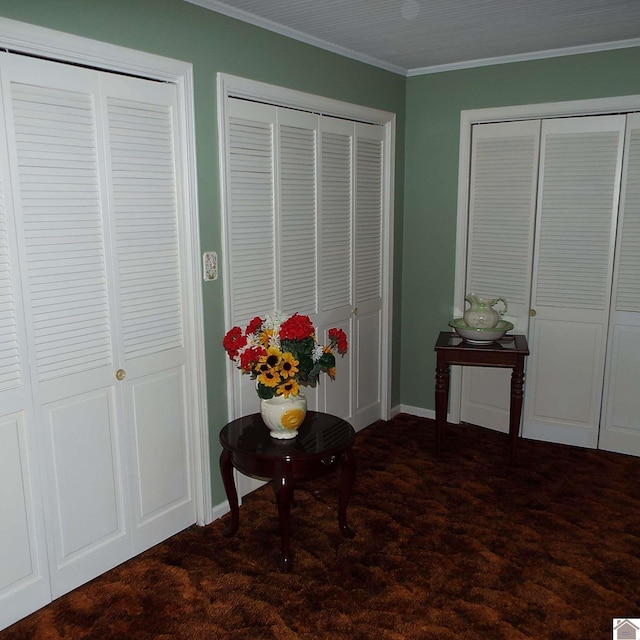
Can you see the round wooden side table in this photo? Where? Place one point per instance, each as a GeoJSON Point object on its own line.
{"type": "Point", "coordinates": [323, 443]}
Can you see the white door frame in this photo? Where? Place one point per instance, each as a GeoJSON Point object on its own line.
{"type": "Point", "coordinates": [597, 106]}
{"type": "Point", "coordinates": [234, 86]}
{"type": "Point", "coordinates": [63, 47]}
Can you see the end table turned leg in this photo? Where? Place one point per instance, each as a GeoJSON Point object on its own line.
{"type": "Point", "coordinates": [442, 401]}
{"type": "Point", "coordinates": [226, 469]}
{"type": "Point", "coordinates": [515, 408]}
{"type": "Point", "coordinates": [348, 470]}
{"type": "Point", "coordinates": [283, 488]}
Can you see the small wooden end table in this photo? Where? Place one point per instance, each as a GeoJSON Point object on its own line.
{"type": "Point", "coordinates": [323, 443]}
{"type": "Point", "coordinates": [508, 352]}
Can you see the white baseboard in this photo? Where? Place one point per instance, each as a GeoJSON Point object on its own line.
{"type": "Point", "coordinates": [414, 411]}
{"type": "Point", "coordinates": [220, 510]}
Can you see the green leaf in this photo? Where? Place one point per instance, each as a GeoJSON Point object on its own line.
{"type": "Point", "coordinates": [265, 392]}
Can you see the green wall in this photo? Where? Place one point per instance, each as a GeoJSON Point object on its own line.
{"type": "Point", "coordinates": [213, 43]}
{"type": "Point", "coordinates": [434, 103]}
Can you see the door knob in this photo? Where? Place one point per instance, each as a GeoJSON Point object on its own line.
{"type": "Point", "coordinates": [532, 312]}
{"type": "Point", "coordinates": [120, 374]}
{"type": "Point", "coordinates": [354, 311]}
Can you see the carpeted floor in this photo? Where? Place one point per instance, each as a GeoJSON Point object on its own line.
{"type": "Point", "coordinates": [464, 546]}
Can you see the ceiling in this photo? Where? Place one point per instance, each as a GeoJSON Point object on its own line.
{"type": "Point", "coordinates": [412, 37]}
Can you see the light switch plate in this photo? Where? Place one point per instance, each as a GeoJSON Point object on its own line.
{"type": "Point", "coordinates": [210, 265]}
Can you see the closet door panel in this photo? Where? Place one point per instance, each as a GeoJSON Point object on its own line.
{"type": "Point", "coordinates": [149, 280]}
{"type": "Point", "coordinates": [53, 130]}
{"type": "Point", "coordinates": [580, 173]}
{"type": "Point", "coordinates": [620, 427]}
{"type": "Point", "coordinates": [297, 222]}
{"type": "Point", "coordinates": [249, 226]}
{"type": "Point", "coordinates": [86, 493]}
{"type": "Point", "coordinates": [163, 501]}
{"type": "Point", "coordinates": [560, 388]}
{"type": "Point", "coordinates": [368, 222]}
{"type": "Point", "coordinates": [335, 248]}
{"type": "Point", "coordinates": [24, 576]}
{"type": "Point", "coordinates": [502, 201]}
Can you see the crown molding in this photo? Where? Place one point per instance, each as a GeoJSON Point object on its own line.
{"type": "Point", "coordinates": [245, 16]}
{"type": "Point", "coordinates": [525, 57]}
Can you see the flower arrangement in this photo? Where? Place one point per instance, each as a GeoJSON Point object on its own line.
{"type": "Point", "coordinates": [281, 353]}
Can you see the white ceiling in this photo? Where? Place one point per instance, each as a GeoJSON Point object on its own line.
{"type": "Point", "coordinates": [422, 36]}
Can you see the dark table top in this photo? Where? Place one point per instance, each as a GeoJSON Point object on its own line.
{"type": "Point", "coordinates": [320, 434]}
{"type": "Point", "coordinates": [511, 342]}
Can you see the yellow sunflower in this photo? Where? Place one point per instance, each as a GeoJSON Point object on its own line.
{"type": "Point", "coordinates": [288, 366]}
{"type": "Point", "coordinates": [288, 388]}
{"type": "Point", "coordinates": [269, 378]}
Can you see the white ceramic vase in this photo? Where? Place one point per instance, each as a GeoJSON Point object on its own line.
{"type": "Point", "coordinates": [283, 416]}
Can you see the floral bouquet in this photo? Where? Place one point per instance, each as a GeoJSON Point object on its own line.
{"type": "Point", "coordinates": [282, 353]}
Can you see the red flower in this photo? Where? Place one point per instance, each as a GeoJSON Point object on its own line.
{"type": "Point", "coordinates": [339, 338]}
{"type": "Point", "coordinates": [233, 341]}
{"type": "Point", "coordinates": [254, 325]}
{"type": "Point", "coordinates": [296, 328]}
{"type": "Point", "coordinates": [250, 356]}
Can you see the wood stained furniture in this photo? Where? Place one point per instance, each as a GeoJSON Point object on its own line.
{"type": "Point", "coordinates": [323, 443]}
{"type": "Point", "coordinates": [510, 351]}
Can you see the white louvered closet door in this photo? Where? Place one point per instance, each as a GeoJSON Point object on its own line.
{"type": "Point", "coordinates": [580, 169]}
{"type": "Point", "coordinates": [620, 423]}
{"type": "Point", "coordinates": [304, 231]}
{"type": "Point", "coordinates": [367, 282]}
{"type": "Point", "coordinates": [250, 226]}
{"type": "Point", "coordinates": [502, 202]}
{"type": "Point", "coordinates": [52, 126]}
{"type": "Point", "coordinates": [336, 268]}
{"type": "Point", "coordinates": [148, 254]}
{"type": "Point", "coordinates": [24, 576]}
{"type": "Point", "coordinates": [94, 190]}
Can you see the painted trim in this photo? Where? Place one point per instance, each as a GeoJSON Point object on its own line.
{"type": "Point", "coordinates": [595, 106]}
{"type": "Point", "coordinates": [235, 86]}
{"type": "Point", "coordinates": [56, 45]}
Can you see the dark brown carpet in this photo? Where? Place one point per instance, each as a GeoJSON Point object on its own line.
{"type": "Point", "coordinates": [458, 547]}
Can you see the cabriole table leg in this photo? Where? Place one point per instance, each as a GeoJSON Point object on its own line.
{"type": "Point", "coordinates": [226, 469]}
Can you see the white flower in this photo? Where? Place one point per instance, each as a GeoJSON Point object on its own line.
{"type": "Point", "coordinates": [317, 353]}
{"type": "Point", "coordinates": [274, 320]}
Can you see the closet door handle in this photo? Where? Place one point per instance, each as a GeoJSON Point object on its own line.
{"type": "Point", "coordinates": [532, 312]}
{"type": "Point", "coordinates": [120, 374]}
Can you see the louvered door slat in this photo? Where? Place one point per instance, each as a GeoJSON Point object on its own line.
{"type": "Point", "coordinates": [143, 173]}
{"type": "Point", "coordinates": [575, 221]}
{"type": "Point", "coordinates": [297, 219]}
{"type": "Point", "coordinates": [368, 220]}
{"type": "Point", "coordinates": [501, 210]}
{"type": "Point", "coordinates": [628, 275]}
{"type": "Point", "coordinates": [61, 213]}
{"type": "Point", "coordinates": [336, 214]}
{"type": "Point", "coordinates": [10, 365]}
{"type": "Point", "coordinates": [251, 218]}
